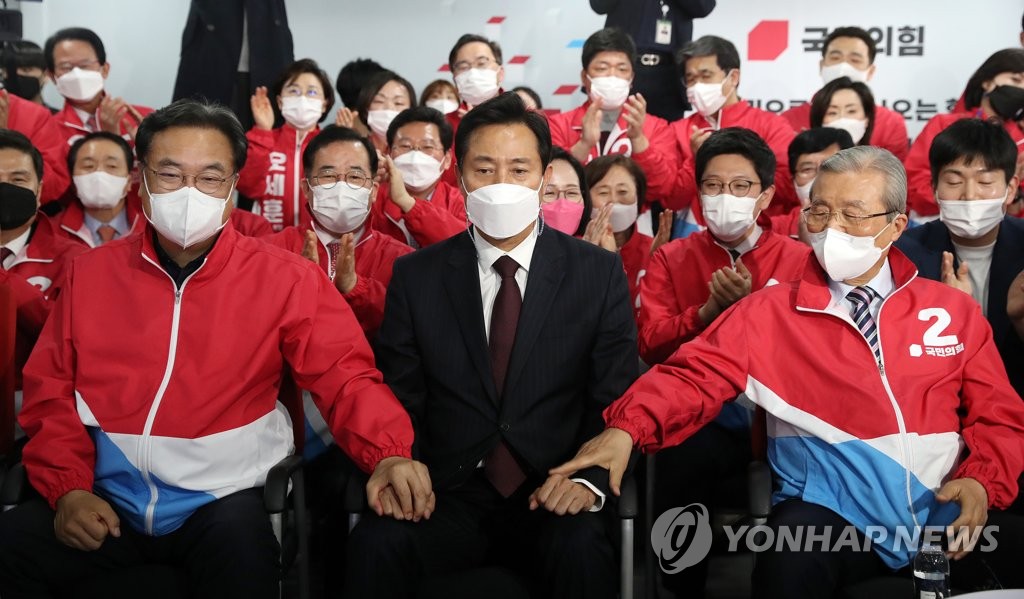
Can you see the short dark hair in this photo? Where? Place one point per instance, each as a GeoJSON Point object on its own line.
{"type": "Point", "coordinates": [422, 114]}
{"type": "Point", "coordinates": [821, 100]}
{"type": "Point", "coordinates": [302, 66]}
{"type": "Point", "coordinates": [530, 92]}
{"type": "Point", "coordinates": [105, 135]}
{"type": "Point", "coordinates": [724, 51]}
{"type": "Point", "coordinates": [1009, 60]}
{"type": "Point", "coordinates": [80, 34]}
{"type": "Point", "coordinates": [335, 134]}
{"type": "Point", "coordinates": [469, 38]}
{"type": "Point", "coordinates": [374, 85]}
{"type": "Point", "coordinates": [506, 109]}
{"type": "Point", "coordinates": [973, 140]}
{"type": "Point", "coordinates": [742, 142]}
{"type": "Point", "coordinates": [13, 140]}
{"type": "Point", "coordinates": [558, 153]}
{"type": "Point", "coordinates": [435, 85]}
{"type": "Point", "coordinates": [23, 54]}
{"type": "Point", "coordinates": [609, 39]}
{"type": "Point", "coordinates": [856, 32]}
{"type": "Point", "coordinates": [816, 139]}
{"type": "Point", "coordinates": [193, 113]}
{"type": "Point", "coordinates": [353, 76]}
{"type": "Point", "coordinates": [598, 168]}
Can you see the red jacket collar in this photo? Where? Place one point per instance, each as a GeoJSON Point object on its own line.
{"type": "Point", "coordinates": [73, 215]}
{"type": "Point", "coordinates": [733, 114]}
{"type": "Point", "coordinates": [216, 259]}
{"type": "Point", "coordinates": [812, 289]}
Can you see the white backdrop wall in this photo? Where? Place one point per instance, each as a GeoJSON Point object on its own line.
{"type": "Point", "coordinates": [929, 48]}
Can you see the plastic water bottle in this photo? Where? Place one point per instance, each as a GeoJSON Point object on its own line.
{"type": "Point", "coordinates": [931, 573]}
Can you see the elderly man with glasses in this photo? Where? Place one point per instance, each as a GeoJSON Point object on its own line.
{"type": "Point", "coordinates": [151, 399]}
{"type": "Point", "coordinates": [888, 408]}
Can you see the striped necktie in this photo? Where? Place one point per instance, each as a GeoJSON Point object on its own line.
{"type": "Point", "coordinates": [860, 299]}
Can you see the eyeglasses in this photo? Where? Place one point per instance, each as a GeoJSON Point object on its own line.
{"type": "Point", "coordinates": [552, 193]}
{"type": "Point", "coordinates": [737, 187]}
{"type": "Point", "coordinates": [85, 65]}
{"type": "Point", "coordinates": [295, 90]}
{"type": "Point", "coordinates": [818, 217]}
{"type": "Point", "coordinates": [426, 148]}
{"type": "Point", "coordinates": [480, 63]}
{"type": "Point", "coordinates": [328, 179]}
{"type": "Point", "coordinates": [209, 183]}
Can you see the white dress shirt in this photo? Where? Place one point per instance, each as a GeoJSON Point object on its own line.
{"type": "Point", "coordinates": [882, 284]}
{"type": "Point", "coordinates": [744, 246]}
{"type": "Point", "coordinates": [979, 264]}
{"type": "Point", "coordinates": [490, 281]}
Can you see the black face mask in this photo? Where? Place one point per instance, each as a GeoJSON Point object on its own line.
{"type": "Point", "coordinates": [17, 205]}
{"type": "Point", "coordinates": [1008, 102]}
{"type": "Point", "coordinates": [23, 86]}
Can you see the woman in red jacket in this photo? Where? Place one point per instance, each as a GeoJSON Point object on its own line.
{"type": "Point", "coordinates": [273, 164]}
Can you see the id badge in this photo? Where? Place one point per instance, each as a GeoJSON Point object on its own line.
{"type": "Point", "coordinates": [663, 32]}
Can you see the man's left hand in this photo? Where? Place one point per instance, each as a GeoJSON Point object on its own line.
{"type": "Point", "coordinates": [972, 498]}
{"type": "Point", "coordinates": [561, 496]}
{"type": "Point", "coordinates": [634, 112]}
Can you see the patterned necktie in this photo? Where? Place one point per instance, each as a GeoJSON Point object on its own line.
{"type": "Point", "coordinates": [333, 249]}
{"type": "Point", "coordinates": [92, 124]}
{"type": "Point", "coordinates": [500, 466]}
{"type": "Point", "coordinates": [106, 233]}
{"type": "Point", "coordinates": [4, 254]}
{"type": "Point", "coordinates": [860, 299]}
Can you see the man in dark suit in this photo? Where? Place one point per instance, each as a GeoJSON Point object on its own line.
{"type": "Point", "coordinates": [505, 343]}
{"type": "Point", "coordinates": [974, 246]}
{"type": "Point", "coordinates": [231, 47]}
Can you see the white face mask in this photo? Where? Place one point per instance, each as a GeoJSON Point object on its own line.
{"type": "Point", "coordinates": [622, 217]}
{"type": "Point", "coordinates": [99, 189]}
{"type": "Point", "coordinates": [80, 85]}
{"type": "Point", "coordinates": [503, 209]}
{"type": "Point", "coordinates": [443, 105]}
{"type": "Point", "coordinates": [476, 86]}
{"type": "Point", "coordinates": [855, 127]}
{"type": "Point", "coordinates": [728, 217]}
{"type": "Point", "coordinates": [340, 209]}
{"type": "Point", "coordinates": [844, 256]}
{"type": "Point", "coordinates": [707, 98]}
{"type": "Point", "coordinates": [611, 91]}
{"type": "Point", "coordinates": [302, 112]}
{"type": "Point", "coordinates": [843, 69]}
{"type": "Point", "coordinates": [971, 219]}
{"type": "Point", "coordinates": [186, 216]}
{"type": "Point", "coordinates": [419, 170]}
{"type": "Point", "coordinates": [380, 120]}
{"type": "Point", "coordinates": [804, 193]}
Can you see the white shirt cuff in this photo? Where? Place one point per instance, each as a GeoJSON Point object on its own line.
{"type": "Point", "coordinates": [599, 502]}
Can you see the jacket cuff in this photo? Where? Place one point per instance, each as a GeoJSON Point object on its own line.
{"type": "Point", "coordinates": [360, 290]}
{"type": "Point", "coordinates": [64, 487]}
{"type": "Point", "coordinates": [999, 496]}
{"type": "Point", "coordinates": [635, 429]}
{"type": "Point", "coordinates": [379, 455]}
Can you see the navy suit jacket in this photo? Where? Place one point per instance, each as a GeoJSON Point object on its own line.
{"type": "Point", "coordinates": [924, 246]}
{"type": "Point", "coordinates": [575, 352]}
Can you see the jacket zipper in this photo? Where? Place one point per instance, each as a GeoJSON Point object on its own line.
{"type": "Point", "coordinates": [145, 446]}
{"type": "Point", "coordinates": [905, 453]}
{"type": "Point", "coordinates": [295, 177]}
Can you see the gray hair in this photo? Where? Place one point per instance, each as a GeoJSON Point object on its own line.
{"type": "Point", "coordinates": [864, 158]}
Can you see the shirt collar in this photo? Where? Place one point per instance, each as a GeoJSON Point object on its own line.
{"type": "Point", "coordinates": [84, 116]}
{"type": "Point", "coordinates": [18, 244]}
{"type": "Point", "coordinates": [326, 237]}
{"type": "Point", "coordinates": [882, 284]}
{"type": "Point", "coordinates": [748, 243]}
{"type": "Point", "coordinates": [119, 222]}
{"type": "Point", "coordinates": [486, 254]}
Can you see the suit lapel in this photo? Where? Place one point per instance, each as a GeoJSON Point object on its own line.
{"type": "Point", "coordinates": [1006, 260]}
{"type": "Point", "coordinates": [462, 283]}
{"type": "Point", "coordinates": [543, 281]}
